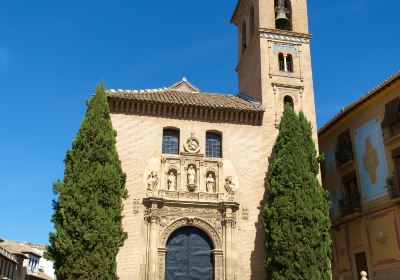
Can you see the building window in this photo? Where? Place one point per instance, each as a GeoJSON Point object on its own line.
{"type": "Point", "coordinates": [391, 121]}
{"type": "Point", "coordinates": [344, 148]}
{"type": "Point", "coordinates": [288, 101]}
{"type": "Point", "coordinates": [289, 63]}
{"type": "Point", "coordinates": [283, 15]}
{"type": "Point", "coordinates": [213, 145]}
{"type": "Point", "coordinates": [281, 59]}
{"type": "Point", "coordinates": [350, 203]}
{"type": "Point", "coordinates": [244, 36]}
{"type": "Point", "coordinates": [285, 62]}
{"type": "Point", "coordinates": [170, 144]}
{"type": "Point", "coordinates": [252, 21]}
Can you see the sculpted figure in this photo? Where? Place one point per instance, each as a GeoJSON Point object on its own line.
{"type": "Point", "coordinates": [171, 181]}
{"type": "Point", "coordinates": [230, 186]}
{"type": "Point", "coordinates": [191, 177]}
{"type": "Point", "coordinates": [210, 183]}
{"type": "Point", "coordinates": [152, 181]}
{"type": "Point", "coordinates": [192, 145]}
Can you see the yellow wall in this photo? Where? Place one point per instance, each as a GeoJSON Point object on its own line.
{"type": "Point", "coordinates": [375, 230]}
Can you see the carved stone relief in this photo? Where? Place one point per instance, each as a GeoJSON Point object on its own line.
{"type": "Point", "coordinates": [171, 180]}
{"type": "Point", "coordinates": [230, 186]}
{"type": "Point", "coordinates": [152, 181]}
{"type": "Point", "coordinates": [192, 145]}
{"type": "Point", "coordinates": [191, 178]}
{"type": "Point", "coordinates": [245, 213]}
{"type": "Point", "coordinates": [136, 206]}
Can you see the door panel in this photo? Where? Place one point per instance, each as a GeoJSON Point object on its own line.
{"type": "Point", "coordinates": [189, 255]}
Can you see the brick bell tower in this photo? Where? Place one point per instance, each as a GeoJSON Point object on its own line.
{"type": "Point", "coordinates": [274, 64]}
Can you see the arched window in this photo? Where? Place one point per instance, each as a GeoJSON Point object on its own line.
{"type": "Point", "coordinates": [252, 21]}
{"type": "Point", "coordinates": [244, 37]}
{"type": "Point", "coordinates": [289, 63]}
{"type": "Point", "coordinates": [288, 101]}
{"type": "Point", "coordinates": [170, 144]}
{"type": "Point", "coordinates": [213, 145]}
{"type": "Point", "coordinates": [281, 62]}
{"type": "Point", "coordinates": [283, 15]}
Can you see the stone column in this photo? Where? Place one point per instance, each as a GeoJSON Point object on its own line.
{"type": "Point", "coordinates": [218, 261]}
{"type": "Point", "coordinates": [229, 256]}
{"type": "Point", "coordinates": [152, 265]}
{"type": "Point", "coordinates": [153, 204]}
{"type": "Point", "coordinates": [161, 263]}
{"type": "Point", "coordinates": [285, 63]}
{"type": "Point", "coordinates": [229, 223]}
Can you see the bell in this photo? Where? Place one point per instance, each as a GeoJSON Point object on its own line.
{"type": "Point", "coordinates": [281, 17]}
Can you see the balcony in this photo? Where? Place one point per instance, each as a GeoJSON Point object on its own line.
{"type": "Point", "coordinates": [392, 187]}
{"type": "Point", "coordinates": [350, 204]}
{"type": "Point", "coordinates": [344, 155]}
{"type": "Point", "coordinates": [391, 132]}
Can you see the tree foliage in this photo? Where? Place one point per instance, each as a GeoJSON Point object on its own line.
{"type": "Point", "coordinates": [88, 210]}
{"type": "Point", "coordinates": [296, 214]}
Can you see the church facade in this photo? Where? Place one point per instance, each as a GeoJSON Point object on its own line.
{"type": "Point", "coordinates": [196, 162]}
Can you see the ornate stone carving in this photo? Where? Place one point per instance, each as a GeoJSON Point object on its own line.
{"type": "Point", "coordinates": [136, 206]}
{"type": "Point", "coordinates": [152, 181]}
{"type": "Point", "coordinates": [192, 145]}
{"type": "Point", "coordinates": [230, 186]}
{"type": "Point", "coordinates": [191, 178]}
{"type": "Point", "coordinates": [203, 225]}
{"type": "Point", "coordinates": [245, 213]}
{"type": "Point", "coordinates": [171, 181]}
{"type": "Point", "coordinates": [210, 183]}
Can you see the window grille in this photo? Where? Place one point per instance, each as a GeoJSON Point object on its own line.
{"type": "Point", "coordinates": [170, 144]}
{"type": "Point", "coordinates": [213, 145]}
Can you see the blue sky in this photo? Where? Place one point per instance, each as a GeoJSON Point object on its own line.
{"type": "Point", "coordinates": [53, 53]}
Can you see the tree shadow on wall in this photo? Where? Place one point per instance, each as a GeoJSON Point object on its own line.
{"type": "Point", "coordinates": [258, 256]}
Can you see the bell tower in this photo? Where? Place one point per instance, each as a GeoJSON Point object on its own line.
{"type": "Point", "coordinates": [274, 64]}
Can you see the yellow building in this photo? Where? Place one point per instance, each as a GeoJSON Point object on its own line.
{"type": "Point", "coordinates": [362, 173]}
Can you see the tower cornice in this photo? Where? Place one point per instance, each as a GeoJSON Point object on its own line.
{"type": "Point", "coordinates": [287, 33]}
{"type": "Point", "coordinates": [240, 8]}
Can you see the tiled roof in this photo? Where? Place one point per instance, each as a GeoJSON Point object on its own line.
{"type": "Point", "coordinates": [185, 94]}
{"type": "Point", "coordinates": [197, 99]}
{"type": "Point", "coordinates": [18, 248]}
{"type": "Point", "coordinates": [348, 109]}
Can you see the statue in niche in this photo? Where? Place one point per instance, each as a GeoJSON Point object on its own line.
{"type": "Point", "coordinates": [152, 181]}
{"type": "Point", "coordinates": [230, 186]}
{"type": "Point", "coordinates": [210, 183]}
{"type": "Point", "coordinates": [171, 181]}
{"type": "Point", "coordinates": [191, 178]}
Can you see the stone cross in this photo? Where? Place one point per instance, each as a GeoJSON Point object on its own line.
{"type": "Point", "coordinates": [363, 275]}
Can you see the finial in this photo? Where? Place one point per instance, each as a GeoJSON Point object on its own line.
{"type": "Point", "coordinates": [363, 275]}
{"type": "Point", "coordinates": [184, 79]}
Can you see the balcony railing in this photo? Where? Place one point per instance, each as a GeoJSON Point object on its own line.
{"type": "Point", "coordinates": [350, 204]}
{"type": "Point", "coordinates": [344, 154]}
{"type": "Point", "coordinates": [392, 187]}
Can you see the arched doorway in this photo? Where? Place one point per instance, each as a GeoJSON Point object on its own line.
{"type": "Point", "coordinates": [189, 255]}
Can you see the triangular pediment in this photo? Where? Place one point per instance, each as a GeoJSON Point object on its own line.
{"type": "Point", "coordinates": [184, 85]}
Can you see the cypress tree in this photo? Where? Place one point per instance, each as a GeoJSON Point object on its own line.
{"type": "Point", "coordinates": [296, 214]}
{"type": "Point", "coordinates": [88, 210]}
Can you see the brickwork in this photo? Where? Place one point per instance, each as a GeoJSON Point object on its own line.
{"type": "Point", "coordinates": [247, 148]}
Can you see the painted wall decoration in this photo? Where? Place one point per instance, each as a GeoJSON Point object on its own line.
{"type": "Point", "coordinates": [371, 160]}
{"type": "Point", "coordinates": [332, 180]}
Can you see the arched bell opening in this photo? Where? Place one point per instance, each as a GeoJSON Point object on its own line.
{"type": "Point", "coordinates": [288, 101]}
{"type": "Point", "coordinates": [283, 15]}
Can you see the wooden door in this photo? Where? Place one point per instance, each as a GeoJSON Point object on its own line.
{"type": "Point", "coordinates": [361, 263]}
